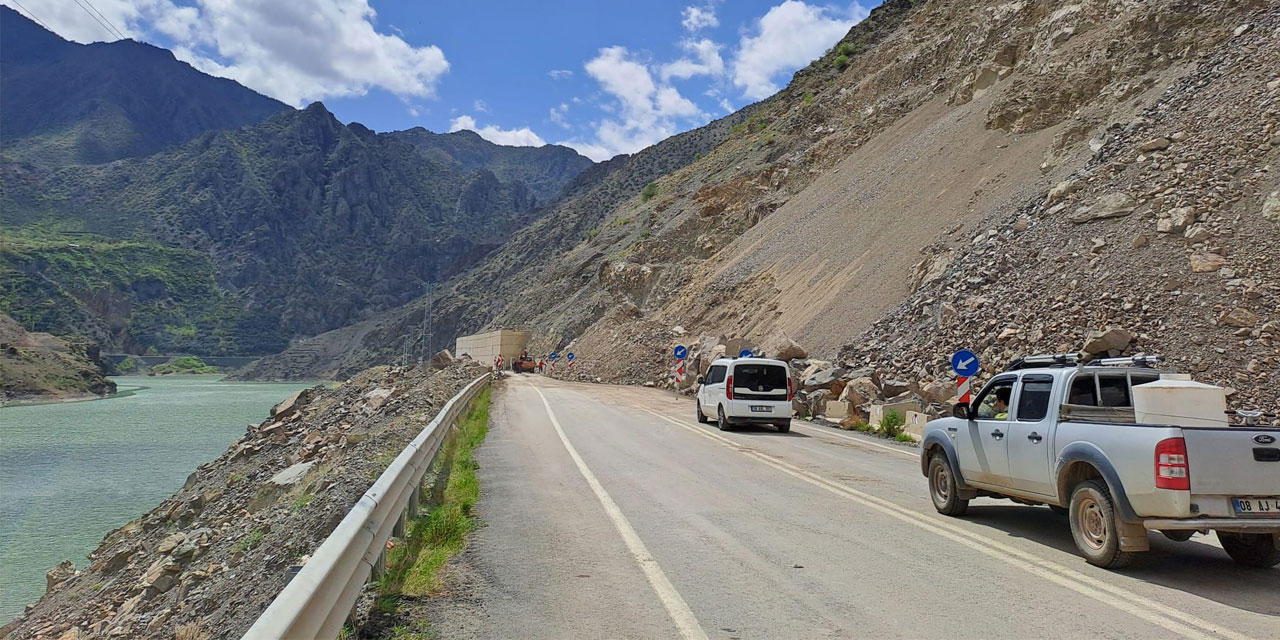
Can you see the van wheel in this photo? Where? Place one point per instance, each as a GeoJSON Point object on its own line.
{"type": "Point", "coordinates": [1093, 526]}
{"type": "Point", "coordinates": [701, 418]}
{"type": "Point", "coordinates": [942, 487]}
{"type": "Point", "coordinates": [722, 421]}
{"type": "Point", "coordinates": [784, 426]}
{"type": "Point", "coordinates": [1251, 549]}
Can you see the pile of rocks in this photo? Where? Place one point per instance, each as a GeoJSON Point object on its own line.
{"type": "Point", "coordinates": [212, 557]}
{"type": "Point", "coordinates": [1167, 242]}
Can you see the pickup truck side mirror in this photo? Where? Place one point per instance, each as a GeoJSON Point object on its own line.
{"type": "Point", "coordinates": [961, 411]}
{"type": "Point", "coordinates": [701, 380]}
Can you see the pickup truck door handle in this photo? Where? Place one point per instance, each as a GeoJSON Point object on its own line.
{"type": "Point", "coordinates": [1034, 437]}
{"type": "Point", "coordinates": [997, 434]}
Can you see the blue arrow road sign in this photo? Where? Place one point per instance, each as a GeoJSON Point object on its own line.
{"type": "Point", "coordinates": [746, 353]}
{"type": "Point", "coordinates": [965, 362]}
{"type": "Point", "coordinates": [569, 356]}
{"type": "Point", "coordinates": [680, 352]}
{"type": "Point", "coordinates": [553, 356]}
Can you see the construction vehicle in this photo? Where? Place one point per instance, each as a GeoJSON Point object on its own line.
{"type": "Point", "coordinates": [524, 364]}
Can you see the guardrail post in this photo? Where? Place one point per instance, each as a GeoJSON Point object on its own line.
{"type": "Point", "coordinates": [415, 500]}
{"type": "Point", "coordinates": [398, 530]}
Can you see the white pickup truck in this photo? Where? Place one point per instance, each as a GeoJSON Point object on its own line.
{"type": "Point", "coordinates": [1058, 435]}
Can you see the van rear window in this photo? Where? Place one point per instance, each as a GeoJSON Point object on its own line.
{"type": "Point", "coordinates": [760, 377]}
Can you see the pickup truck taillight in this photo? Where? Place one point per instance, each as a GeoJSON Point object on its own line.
{"type": "Point", "coordinates": [791, 389]}
{"type": "Point", "coordinates": [1171, 464]}
{"type": "Point", "coordinates": [728, 388]}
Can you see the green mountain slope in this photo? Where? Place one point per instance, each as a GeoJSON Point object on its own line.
{"type": "Point", "coordinates": [71, 103]}
{"type": "Point", "coordinates": [307, 225]}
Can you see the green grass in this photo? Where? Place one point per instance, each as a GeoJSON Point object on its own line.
{"type": "Point", "coordinates": [904, 437]}
{"type": "Point", "coordinates": [891, 424]}
{"type": "Point", "coordinates": [250, 542]}
{"type": "Point", "coordinates": [841, 62]}
{"type": "Point", "coordinates": [413, 566]}
{"type": "Point", "coordinates": [648, 192]}
{"type": "Point", "coordinates": [185, 364]}
{"type": "Point", "coordinates": [301, 502]}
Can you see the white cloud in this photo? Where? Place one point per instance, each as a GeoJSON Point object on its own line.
{"type": "Point", "coordinates": [647, 111]}
{"type": "Point", "coordinates": [560, 74]}
{"type": "Point", "coordinates": [557, 115]}
{"type": "Point", "coordinates": [295, 51]}
{"type": "Point", "coordinates": [522, 137]}
{"type": "Point", "coordinates": [480, 105]}
{"type": "Point", "coordinates": [695, 18]}
{"type": "Point", "coordinates": [788, 37]}
{"type": "Point", "coordinates": [703, 60]}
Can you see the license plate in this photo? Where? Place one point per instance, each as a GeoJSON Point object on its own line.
{"type": "Point", "coordinates": [1257, 506]}
{"type": "Point", "coordinates": [760, 409]}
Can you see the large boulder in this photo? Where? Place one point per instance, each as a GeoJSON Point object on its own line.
{"type": "Point", "coordinates": [938, 391]}
{"type": "Point", "coordinates": [441, 359]}
{"type": "Point", "coordinates": [816, 402]}
{"type": "Point", "coordinates": [824, 379]}
{"type": "Point", "coordinates": [1111, 205]}
{"type": "Point", "coordinates": [891, 388]}
{"type": "Point", "coordinates": [864, 372]}
{"type": "Point", "coordinates": [1108, 341]}
{"type": "Point", "coordinates": [860, 391]}
{"type": "Point", "coordinates": [59, 574]}
{"type": "Point", "coordinates": [780, 346]}
{"type": "Point", "coordinates": [1271, 207]}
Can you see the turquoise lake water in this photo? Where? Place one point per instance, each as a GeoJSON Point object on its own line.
{"type": "Point", "coordinates": [72, 472]}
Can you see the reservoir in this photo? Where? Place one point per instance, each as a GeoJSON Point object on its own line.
{"type": "Point", "coordinates": [72, 472]}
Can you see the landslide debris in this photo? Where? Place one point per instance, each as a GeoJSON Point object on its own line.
{"type": "Point", "coordinates": [41, 367]}
{"type": "Point", "coordinates": [213, 556]}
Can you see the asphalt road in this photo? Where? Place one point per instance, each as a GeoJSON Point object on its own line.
{"type": "Point", "coordinates": [609, 512]}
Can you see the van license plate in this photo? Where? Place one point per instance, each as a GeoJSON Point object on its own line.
{"type": "Point", "coordinates": [759, 409]}
{"type": "Point", "coordinates": [1257, 506]}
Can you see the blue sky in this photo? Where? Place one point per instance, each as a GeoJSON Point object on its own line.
{"type": "Point", "coordinates": [604, 77]}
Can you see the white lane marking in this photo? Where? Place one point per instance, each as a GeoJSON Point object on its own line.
{"type": "Point", "coordinates": [1117, 597]}
{"type": "Point", "coordinates": [676, 607]}
{"type": "Point", "coordinates": [829, 432]}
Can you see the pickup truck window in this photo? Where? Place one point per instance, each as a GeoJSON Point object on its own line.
{"type": "Point", "coordinates": [993, 404]}
{"type": "Point", "coordinates": [1033, 401]}
{"type": "Point", "coordinates": [1084, 391]}
{"type": "Point", "coordinates": [1113, 391]}
{"type": "Point", "coordinates": [715, 374]}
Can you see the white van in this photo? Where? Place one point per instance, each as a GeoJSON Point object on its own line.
{"type": "Point", "coordinates": [746, 391]}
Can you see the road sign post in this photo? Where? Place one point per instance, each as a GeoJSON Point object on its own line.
{"type": "Point", "coordinates": [965, 363]}
{"type": "Point", "coordinates": [680, 352]}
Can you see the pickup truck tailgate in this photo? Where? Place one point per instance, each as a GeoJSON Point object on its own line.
{"type": "Point", "coordinates": [1237, 461]}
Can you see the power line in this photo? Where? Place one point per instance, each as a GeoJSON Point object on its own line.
{"type": "Point", "coordinates": [107, 20]}
{"type": "Point", "coordinates": [98, 20]}
{"type": "Point", "coordinates": [33, 16]}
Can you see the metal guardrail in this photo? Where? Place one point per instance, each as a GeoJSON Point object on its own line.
{"type": "Point", "coordinates": [317, 602]}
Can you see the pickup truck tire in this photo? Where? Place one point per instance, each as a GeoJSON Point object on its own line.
{"type": "Point", "coordinates": [1179, 535]}
{"type": "Point", "coordinates": [1093, 525]}
{"type": "Point", "coordinates": [722, 422]}
{"type": "Point", "coordinates": [1251, 549]}
{"type": "Point", "coordinates": [942, 487]}
{"type": "Point", "coordinates": [702, 419]}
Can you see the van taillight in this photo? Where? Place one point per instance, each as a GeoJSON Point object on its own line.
{"type": "Point", "coordinates": [1171, 464]}
{"type": "Point", "coordinates": [791, 389]}
{"type": "Point", "coordinates": [728, 388]}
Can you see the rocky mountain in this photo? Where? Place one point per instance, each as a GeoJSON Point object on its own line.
{"type": "Point", "coordinates": [545, 170]}
{"type": "Point", "coordinates": [949, 174]}
{"type": "Point", "coordinates": [41, 367]}
{"type": "Point", "coordinates": [68, 103]}
{"type": "Point", "coordinates": [301, 224]}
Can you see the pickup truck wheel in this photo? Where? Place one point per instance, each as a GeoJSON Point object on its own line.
{"type": "Point", "coordinates": [721, 421]}
{"type": "Point", "coordinates": [702, 419]}
{"type": "Point", "coordinates": [1251, 549]}
{"type": "Point", "coordinates": [1093, 526]}
{"type": "Point", "coordinates": [942, 487]}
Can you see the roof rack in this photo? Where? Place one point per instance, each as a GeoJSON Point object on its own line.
{"type": "Point", "coordinates": [1139, 360]}
{"type": "Point", "coordinates": [1044, 360]}
{"type": "Point", "coordinates": [1076, 360]}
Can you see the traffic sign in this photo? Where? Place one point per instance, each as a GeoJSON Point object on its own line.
{"type": "Point", "coordinates": [965, 363]}
{"type": "Point", "coordinates": [745, 353]}
{"type": "Point", "coordinates": [681, 352]}
{"type": "Point", "coordinates": [569, 356]}
{"type": "Point", "coordinates": [554, 356]}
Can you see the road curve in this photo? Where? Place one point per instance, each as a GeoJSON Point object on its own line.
{"type": "Point", "coordinates": [609, 512]}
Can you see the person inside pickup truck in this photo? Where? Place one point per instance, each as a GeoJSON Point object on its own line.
{"type": "Point", "coordinates": [1002, 403]}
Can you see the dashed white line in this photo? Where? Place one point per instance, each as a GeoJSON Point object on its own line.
{"type": "Point", "coordinates": [675, 605]}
